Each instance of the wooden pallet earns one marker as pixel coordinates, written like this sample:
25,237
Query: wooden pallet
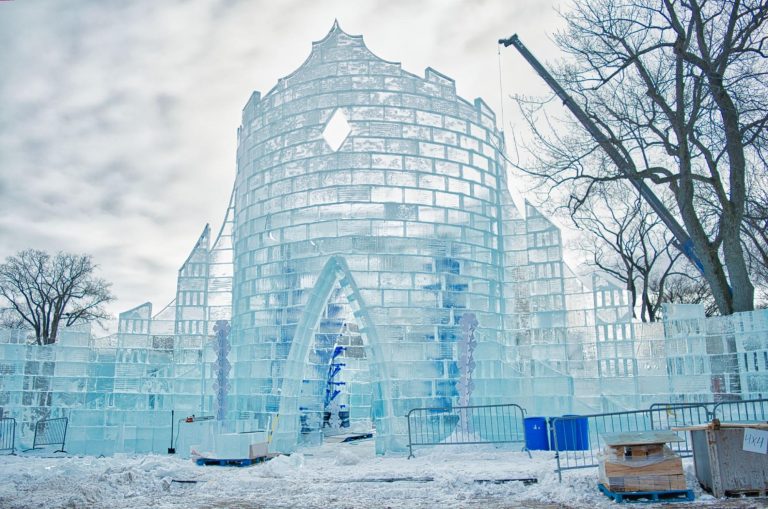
345,438
747,493
527,481
244,462
648,497
355,438
224,462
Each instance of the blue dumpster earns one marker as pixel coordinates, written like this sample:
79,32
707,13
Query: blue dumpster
571,433
536,433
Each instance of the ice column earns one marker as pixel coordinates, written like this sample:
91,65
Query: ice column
221,367
467,346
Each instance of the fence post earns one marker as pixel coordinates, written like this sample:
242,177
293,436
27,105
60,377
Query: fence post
552,432
410,441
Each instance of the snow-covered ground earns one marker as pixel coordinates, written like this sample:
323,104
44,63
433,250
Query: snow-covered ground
331,476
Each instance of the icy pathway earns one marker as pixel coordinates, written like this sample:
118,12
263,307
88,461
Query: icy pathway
332,476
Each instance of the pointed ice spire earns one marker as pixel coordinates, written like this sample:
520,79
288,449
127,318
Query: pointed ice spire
336,46
335,32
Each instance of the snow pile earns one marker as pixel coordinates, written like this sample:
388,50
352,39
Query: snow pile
346,456
330,476
283,466
86,482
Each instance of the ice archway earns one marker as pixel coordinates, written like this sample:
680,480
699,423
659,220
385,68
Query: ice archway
335,272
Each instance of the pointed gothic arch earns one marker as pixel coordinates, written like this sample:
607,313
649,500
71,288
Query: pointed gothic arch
286,433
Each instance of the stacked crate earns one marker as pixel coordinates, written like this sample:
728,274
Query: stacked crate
641,462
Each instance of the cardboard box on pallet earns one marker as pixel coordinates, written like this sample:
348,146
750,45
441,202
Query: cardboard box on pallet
640,451
641,468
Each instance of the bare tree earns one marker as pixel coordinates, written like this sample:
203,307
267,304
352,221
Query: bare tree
43,291
678,86
629,242
611,242
683,288
10,319
755,230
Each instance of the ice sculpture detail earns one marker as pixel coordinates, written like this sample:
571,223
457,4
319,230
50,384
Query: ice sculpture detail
221,367
467,346
333,391
335,274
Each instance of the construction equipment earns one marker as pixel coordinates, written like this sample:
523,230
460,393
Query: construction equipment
683,241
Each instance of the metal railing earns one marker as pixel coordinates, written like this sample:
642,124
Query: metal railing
667,415
674,406
745,410
578,442
50,432
577,439
8,434
463,425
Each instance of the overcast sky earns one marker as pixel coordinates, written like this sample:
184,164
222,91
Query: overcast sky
118,119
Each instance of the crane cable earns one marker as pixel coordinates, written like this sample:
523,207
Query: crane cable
501,90
503,122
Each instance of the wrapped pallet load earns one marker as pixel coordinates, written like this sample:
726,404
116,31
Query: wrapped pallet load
641,462
641,468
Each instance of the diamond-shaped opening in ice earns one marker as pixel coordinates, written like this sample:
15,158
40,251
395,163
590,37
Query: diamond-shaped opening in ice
336,130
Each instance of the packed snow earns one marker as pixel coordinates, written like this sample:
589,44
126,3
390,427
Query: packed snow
330,476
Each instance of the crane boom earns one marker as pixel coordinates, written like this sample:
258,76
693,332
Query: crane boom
683,241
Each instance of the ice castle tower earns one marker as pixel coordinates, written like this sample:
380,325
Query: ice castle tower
367,199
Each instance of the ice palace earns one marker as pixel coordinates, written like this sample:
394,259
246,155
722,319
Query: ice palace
371,260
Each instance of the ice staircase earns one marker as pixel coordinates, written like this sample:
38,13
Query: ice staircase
332,405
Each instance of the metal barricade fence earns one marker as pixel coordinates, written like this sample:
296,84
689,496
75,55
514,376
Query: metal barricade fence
725,411
680,414
8,434
674,406
51,432
577,438
462,425
745,410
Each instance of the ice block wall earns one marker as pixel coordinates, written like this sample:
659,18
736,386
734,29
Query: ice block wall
117,402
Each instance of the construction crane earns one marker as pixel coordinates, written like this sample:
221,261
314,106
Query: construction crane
683,241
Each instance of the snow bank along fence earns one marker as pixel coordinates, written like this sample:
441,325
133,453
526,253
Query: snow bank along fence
577,438
50,432
8,434
462,425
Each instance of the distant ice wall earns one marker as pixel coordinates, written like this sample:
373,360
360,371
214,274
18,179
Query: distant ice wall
116,401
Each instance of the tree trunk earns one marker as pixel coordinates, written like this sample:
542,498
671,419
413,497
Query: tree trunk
53,333
632,289
714,272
